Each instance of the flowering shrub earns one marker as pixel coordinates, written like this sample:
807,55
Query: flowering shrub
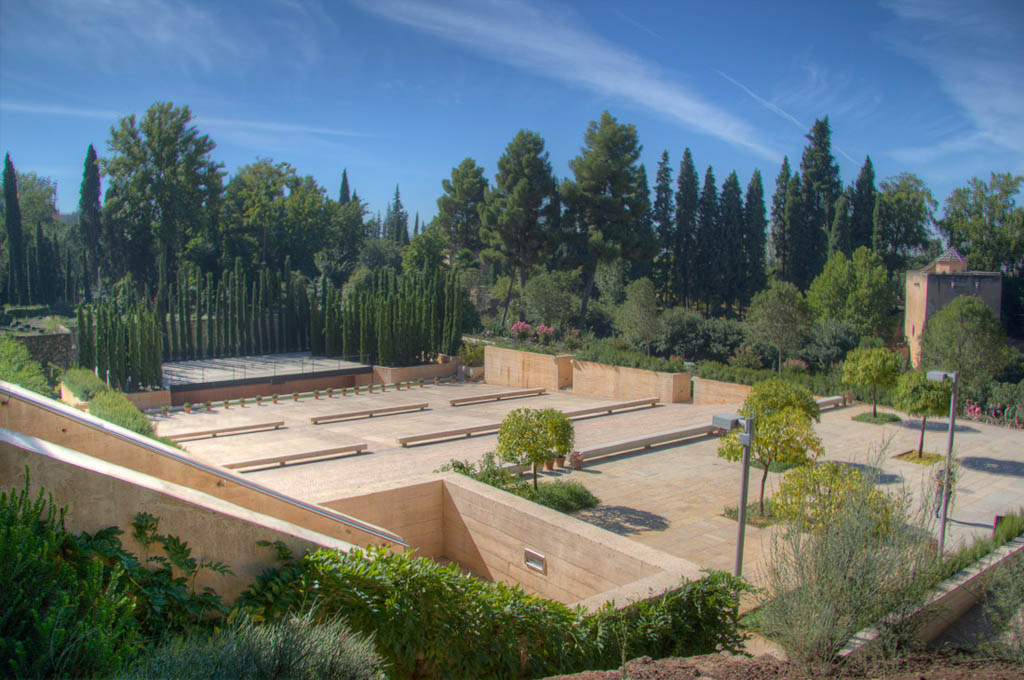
995,414
521,330
545,333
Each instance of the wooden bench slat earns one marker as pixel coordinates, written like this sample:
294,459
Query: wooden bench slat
370,412
357,447
497,396
237,429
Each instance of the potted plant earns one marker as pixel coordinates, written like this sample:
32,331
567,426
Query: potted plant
188,407
437,380
370,388
241,402
421,382
295,396
383,387
549,464
344,391
355,390
316,394
274,397
452,381
227,404
164,409
560,461
208,405
330,393
259,400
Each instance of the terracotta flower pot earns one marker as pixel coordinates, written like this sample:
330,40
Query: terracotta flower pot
560,461
549,465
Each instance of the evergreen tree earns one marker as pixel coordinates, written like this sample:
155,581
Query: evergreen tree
729,236
862,207
781,241
821,189
396,221
664,219
794,266
752,244
89,215
458,209
416,225
343,194
684,245
708,249
840,238
17,283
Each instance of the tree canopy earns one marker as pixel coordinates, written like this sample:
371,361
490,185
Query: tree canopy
965,336
875,368
856,291
919,396
533,436
983,222
779,318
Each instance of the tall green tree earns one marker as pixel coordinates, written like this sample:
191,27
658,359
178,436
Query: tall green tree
821,188
664,219
395,226
965,336
17,273
983,222
875,368
684,243
731,236
840,238
753,240
605,197
458,209
779,318
163,188
862,207
344,195
89,216
795,264
903,219
708,251
637,318
520,217
780,241
857,291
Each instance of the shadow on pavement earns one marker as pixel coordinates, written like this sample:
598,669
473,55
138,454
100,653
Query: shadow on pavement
880,477
993,466
936,426
623,520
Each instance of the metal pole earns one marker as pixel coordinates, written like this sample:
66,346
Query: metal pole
748,431
949,461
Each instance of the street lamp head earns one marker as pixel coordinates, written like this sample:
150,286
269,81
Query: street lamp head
939,376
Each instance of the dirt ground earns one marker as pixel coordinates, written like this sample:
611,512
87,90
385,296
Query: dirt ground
926,666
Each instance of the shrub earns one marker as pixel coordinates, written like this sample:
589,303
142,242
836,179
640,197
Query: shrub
613,353
566,496
114,407
18,367
62,614
435,620
795,365
746,357
297,649
810,496
83,383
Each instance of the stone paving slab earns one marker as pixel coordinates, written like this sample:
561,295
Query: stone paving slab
669,497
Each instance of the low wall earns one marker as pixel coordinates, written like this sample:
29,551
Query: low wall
526,369
618,382
716,392
145,401
53,421
486,531
51,348
387,374
98,494
197,393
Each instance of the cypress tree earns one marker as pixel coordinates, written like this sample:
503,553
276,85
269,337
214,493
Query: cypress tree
708,245
794,266
253,320
343,194
840,238
86,350
781,242
730,236
755,227
862,207
17,285
89,217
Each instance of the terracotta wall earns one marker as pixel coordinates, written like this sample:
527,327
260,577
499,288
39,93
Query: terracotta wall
526,369
618,382
715,392
99,495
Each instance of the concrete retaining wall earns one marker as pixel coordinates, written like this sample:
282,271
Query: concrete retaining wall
51,348
388,375
526,369
716,392
282,385
98,494
618,382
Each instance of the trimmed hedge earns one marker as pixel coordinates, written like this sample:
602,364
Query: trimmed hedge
821,384
115,408
610,353
83,383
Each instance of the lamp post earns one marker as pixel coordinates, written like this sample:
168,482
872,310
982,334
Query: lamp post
728,421
939,376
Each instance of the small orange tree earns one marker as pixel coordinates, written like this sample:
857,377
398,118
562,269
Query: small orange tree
534,436
919,396
872,368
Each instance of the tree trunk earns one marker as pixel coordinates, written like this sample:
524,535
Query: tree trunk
534,476
920,444
874,401
764,478
779,368
508,299
587,290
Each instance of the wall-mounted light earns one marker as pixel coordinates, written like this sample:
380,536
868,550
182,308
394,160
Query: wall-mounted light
535,561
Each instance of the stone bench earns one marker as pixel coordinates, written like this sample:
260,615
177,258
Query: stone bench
237,429
830,402
646,441
357,447
611,408
497,396
368,413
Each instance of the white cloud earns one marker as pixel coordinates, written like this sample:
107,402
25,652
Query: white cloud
547,42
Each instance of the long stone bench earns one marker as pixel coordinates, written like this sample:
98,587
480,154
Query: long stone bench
357,447
830,402
493,427
497,396
368,413
646,441
237,429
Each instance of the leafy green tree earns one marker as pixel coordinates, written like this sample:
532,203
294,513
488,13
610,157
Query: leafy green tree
919,396
862,207
778,317
856,291
819,189
664,219
89,215
534,436
520,215
752,243
783,430
793,267
18,367
606,199
983,222
965,336
550,298
17,274
685,241
874,368
163,189
840,238
458,209
637,318
903,218
425,252
810,497
781,243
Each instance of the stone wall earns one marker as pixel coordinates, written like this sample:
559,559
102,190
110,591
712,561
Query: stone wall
513,368
716,392
389,375
619,382
51,348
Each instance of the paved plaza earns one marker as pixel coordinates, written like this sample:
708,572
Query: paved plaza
669,497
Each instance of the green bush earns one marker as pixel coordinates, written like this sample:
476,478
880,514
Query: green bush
83,383
612,352
472,354
565,496
435,620
18,367
62,613
116,408
821,384
297,649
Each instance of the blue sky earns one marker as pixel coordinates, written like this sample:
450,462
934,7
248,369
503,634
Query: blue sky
400,91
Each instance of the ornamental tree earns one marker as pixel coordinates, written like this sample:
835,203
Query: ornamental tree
811,496
872,368
965,336
919,396
535,436
778,317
